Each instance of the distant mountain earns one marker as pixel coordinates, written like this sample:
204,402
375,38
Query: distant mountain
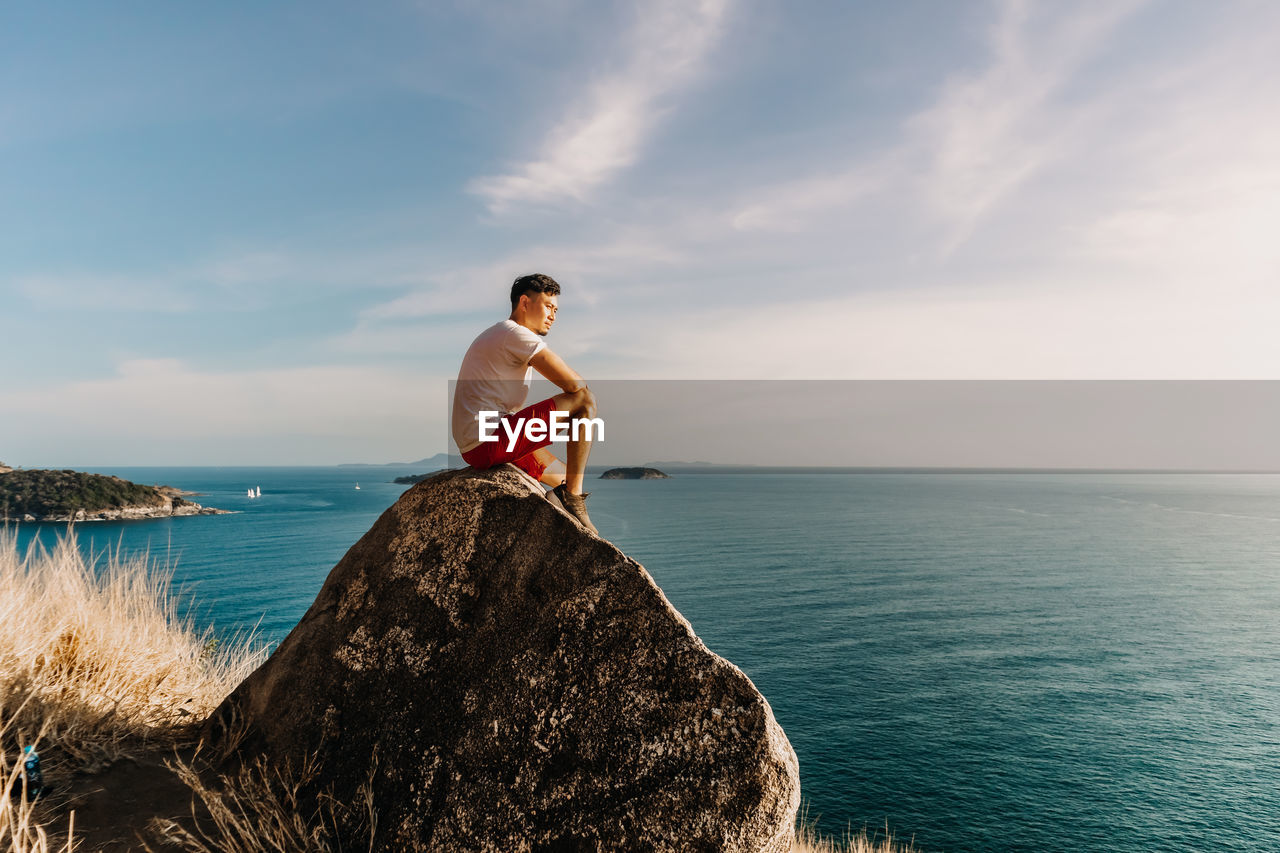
440,460
681,464
411,479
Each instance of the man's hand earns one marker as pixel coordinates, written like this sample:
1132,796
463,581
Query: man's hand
553,368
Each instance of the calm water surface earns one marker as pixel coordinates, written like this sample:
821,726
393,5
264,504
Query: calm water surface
1022,662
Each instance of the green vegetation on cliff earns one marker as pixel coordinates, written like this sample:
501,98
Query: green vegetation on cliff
43,493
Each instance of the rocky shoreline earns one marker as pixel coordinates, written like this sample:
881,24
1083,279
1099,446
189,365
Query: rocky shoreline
177,508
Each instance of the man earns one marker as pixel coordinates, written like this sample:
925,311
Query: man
495,377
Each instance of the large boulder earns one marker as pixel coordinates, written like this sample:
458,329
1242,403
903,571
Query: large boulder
510,682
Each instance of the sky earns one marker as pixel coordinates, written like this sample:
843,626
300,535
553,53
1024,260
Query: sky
246,233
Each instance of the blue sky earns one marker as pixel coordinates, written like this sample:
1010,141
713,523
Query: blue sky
265,233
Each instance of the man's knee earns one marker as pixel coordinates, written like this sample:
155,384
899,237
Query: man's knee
588,404
581,403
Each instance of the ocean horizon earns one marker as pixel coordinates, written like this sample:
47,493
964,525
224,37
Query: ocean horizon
981,660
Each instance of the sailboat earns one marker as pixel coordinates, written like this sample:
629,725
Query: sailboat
357,487
251,494
258,494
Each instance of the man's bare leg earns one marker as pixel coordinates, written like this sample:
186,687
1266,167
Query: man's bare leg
553,473
579,404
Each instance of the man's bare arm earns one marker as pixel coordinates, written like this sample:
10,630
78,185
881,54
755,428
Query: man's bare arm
553,367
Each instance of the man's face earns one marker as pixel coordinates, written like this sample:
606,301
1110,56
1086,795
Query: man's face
541,313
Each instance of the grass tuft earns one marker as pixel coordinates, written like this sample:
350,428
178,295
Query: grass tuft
264,809
807,840
95,655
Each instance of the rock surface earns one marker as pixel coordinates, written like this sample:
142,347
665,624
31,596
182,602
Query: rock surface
634,474
508,682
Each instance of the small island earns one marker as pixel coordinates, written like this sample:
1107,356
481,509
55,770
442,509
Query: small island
634,474
39,495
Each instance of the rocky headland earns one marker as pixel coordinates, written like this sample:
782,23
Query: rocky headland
39,495
634,474
487,676
412,479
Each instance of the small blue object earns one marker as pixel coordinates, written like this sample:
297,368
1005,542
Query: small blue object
35,779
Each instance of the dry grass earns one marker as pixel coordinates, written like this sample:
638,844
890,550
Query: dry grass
95,655
808,841
95,661
265,809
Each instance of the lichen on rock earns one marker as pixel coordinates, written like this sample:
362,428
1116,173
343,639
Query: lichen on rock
509,682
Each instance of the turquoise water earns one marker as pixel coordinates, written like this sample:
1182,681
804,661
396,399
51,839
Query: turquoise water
1015,662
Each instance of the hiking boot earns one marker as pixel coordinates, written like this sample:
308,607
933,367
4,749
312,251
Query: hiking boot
575,505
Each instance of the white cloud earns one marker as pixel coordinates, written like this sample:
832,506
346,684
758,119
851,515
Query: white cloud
984,136
1117,222
789,206
989,132
605,131
1105,329
1192,175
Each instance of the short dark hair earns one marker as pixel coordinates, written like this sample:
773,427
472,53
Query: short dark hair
535,283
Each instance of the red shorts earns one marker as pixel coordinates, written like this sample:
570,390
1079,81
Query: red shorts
489,453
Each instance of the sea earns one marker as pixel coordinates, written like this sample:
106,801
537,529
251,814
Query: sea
976,661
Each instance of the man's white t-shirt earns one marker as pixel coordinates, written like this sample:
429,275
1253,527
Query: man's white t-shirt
494,377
